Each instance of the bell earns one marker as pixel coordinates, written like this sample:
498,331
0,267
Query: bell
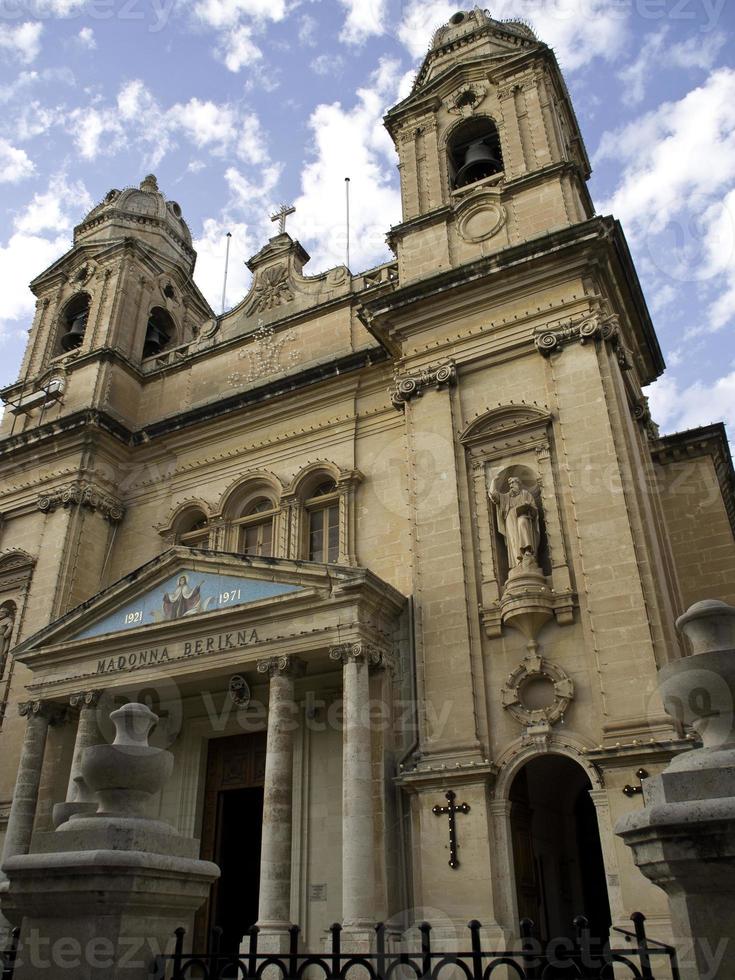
155,339
75,334
479,162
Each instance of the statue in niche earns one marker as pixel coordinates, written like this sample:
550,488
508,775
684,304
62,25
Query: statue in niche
7,622
518,522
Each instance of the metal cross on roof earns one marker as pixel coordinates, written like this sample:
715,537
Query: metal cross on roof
281,214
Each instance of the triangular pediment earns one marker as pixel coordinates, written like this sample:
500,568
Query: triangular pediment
182,585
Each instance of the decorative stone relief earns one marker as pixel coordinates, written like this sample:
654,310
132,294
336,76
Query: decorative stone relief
266,355
480,217
516,692
273,666
273,288
593,327
518,522
82,494
413,385
466,100
357,651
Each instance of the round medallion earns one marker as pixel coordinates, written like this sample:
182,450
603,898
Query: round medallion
537,691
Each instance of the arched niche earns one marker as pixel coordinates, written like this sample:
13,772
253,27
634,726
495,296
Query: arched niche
516,439
473,150
73,322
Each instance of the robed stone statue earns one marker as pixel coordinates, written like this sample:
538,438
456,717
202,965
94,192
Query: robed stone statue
518,522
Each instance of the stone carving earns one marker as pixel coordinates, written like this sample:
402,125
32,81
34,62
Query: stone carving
85,699
7,622
594,327
466,100
273,666
413,385
344,652
82,494
518,522
271,289
480,217
265,354
535,667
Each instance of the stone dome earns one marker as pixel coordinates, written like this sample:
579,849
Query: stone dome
464,22
144,208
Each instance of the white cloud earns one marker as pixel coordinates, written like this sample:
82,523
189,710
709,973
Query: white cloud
211,247
328,64
676,408
252,144
656,54
95,131
22,42
365,18
205,123
237,48
221,14
579,30
676,193
15,164
41,233
308,31
86,38
350,143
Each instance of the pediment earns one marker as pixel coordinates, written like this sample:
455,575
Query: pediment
182,585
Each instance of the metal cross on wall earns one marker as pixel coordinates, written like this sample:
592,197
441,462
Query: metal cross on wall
281,214
451,810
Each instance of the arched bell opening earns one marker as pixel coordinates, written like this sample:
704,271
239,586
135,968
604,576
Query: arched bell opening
474,152
557,854
159,333
74,322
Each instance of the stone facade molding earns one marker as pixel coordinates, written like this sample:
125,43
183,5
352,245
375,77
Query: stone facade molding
413,385
52,711
85,699
82,494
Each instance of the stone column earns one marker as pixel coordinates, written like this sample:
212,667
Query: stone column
358,848
274,903
25,795
88,733
684,837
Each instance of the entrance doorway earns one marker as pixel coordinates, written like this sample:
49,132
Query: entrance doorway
559,869
231,836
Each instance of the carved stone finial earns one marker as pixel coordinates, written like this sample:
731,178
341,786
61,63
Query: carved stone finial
149,184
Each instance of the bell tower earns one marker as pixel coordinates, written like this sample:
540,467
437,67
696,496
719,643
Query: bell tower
110,311
490,153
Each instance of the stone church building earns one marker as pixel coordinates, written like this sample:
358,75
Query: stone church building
375,546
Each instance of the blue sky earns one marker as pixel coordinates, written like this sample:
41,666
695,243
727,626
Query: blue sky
237,105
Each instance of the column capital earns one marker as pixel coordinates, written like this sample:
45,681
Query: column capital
51,711
279,666
356,652
85,699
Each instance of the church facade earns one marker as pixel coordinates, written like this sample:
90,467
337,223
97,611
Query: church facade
395,556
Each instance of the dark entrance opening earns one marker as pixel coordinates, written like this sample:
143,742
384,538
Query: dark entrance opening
559,868
238,855
231,837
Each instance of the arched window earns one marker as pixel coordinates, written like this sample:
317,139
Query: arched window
322,524
74,322
255,528
159,333
474,152
192,529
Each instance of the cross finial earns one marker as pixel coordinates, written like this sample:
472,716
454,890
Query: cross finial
281,214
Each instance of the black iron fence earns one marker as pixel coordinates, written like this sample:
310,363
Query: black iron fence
576,957
8,957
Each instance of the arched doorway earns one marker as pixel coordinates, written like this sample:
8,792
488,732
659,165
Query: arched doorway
559,870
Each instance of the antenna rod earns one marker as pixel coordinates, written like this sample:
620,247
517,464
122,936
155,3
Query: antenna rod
227,263
347,195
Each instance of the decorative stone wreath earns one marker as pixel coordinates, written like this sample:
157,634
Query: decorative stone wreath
530,668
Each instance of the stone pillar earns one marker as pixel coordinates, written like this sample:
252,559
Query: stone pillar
88,733
274,903
25,795
358,846
684,837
